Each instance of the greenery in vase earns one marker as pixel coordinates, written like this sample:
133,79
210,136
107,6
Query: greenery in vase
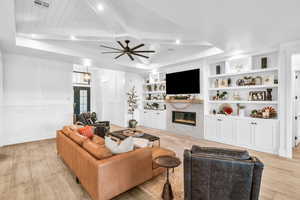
132,101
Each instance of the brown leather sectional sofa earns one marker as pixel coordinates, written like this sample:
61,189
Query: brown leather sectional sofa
106,178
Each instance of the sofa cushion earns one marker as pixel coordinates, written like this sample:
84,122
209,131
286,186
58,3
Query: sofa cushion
76,137
96,150
98,140
229,153
67,130
125,145
159,151
87,131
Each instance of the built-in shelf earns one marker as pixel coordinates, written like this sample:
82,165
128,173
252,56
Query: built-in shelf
245,72
193,101
155,101
238,117
158,83
242,102
155,92
245,87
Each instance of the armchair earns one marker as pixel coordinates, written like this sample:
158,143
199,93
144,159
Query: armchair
221,174
101,127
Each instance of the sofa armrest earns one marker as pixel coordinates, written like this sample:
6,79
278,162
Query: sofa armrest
187,174
123,172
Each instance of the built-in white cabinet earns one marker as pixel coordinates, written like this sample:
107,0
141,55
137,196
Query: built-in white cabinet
256,134
155,119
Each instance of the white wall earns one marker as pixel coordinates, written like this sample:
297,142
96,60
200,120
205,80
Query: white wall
108,95
1,99
38,97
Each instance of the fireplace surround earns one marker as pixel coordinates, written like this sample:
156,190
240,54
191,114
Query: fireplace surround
186,118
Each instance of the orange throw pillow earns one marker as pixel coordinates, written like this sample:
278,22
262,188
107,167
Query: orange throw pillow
97,150
87,131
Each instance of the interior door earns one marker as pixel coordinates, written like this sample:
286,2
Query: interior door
82,100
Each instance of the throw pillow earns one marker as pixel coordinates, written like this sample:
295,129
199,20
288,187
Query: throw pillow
97,150
79,139
125,145
87,131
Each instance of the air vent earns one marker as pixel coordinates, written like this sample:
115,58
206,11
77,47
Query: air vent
41,3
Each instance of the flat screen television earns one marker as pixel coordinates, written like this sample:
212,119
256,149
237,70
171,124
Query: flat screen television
186,82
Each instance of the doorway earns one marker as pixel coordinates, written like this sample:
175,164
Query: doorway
296,107
82,100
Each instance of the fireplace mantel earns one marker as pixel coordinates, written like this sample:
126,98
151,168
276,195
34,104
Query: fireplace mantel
193,101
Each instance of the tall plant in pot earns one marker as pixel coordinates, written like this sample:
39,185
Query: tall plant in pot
132,106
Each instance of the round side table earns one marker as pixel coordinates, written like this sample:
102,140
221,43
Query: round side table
167,162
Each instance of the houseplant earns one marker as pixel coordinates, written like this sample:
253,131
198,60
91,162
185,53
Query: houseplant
132,106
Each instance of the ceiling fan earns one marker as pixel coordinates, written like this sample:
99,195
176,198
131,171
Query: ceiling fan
127,50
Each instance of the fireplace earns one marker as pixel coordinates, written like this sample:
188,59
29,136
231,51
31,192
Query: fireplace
187,118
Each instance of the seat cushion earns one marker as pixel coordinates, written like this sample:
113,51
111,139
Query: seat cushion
79,139
98,140
229,153
97,150
159,151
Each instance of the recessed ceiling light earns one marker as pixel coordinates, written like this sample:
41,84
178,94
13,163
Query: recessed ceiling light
72,37
100,7
33,36
177,41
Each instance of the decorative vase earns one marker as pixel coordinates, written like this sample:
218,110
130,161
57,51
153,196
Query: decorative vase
132,123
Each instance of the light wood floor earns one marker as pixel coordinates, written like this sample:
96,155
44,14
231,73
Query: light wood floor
32,171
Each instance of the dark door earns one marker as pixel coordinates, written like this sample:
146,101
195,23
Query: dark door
82,100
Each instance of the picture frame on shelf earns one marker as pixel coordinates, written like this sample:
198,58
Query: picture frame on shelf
268,80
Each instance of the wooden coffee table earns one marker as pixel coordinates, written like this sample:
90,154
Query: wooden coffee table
167,162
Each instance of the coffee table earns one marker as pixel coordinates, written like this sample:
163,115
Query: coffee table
167,162
119,135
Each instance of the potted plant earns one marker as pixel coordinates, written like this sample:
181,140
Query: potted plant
132,106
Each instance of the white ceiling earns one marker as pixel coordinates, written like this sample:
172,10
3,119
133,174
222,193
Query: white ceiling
204,27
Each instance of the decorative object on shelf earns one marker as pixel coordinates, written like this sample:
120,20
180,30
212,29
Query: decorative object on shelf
229,82
241,110
216,83
264,62
155,87
236,96
239,68
149,88
218,69
269,94
268,80
240,82
257,96
275,81
132,106
266,113
249,80
226,109
214,111
258,80
223,83
222,96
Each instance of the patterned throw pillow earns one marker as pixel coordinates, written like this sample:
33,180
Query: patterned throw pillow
87,131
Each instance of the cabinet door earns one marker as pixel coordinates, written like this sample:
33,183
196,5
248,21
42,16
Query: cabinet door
227,130
146,118
265,135
244,133
210,128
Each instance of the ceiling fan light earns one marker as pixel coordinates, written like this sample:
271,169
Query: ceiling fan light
177,41
100,7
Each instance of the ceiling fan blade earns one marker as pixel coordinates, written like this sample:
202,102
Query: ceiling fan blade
120,43
119,55
112,52
138,46
111,48
139,55
130,56
146,51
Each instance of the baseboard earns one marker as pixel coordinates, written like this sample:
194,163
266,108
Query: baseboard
25,140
